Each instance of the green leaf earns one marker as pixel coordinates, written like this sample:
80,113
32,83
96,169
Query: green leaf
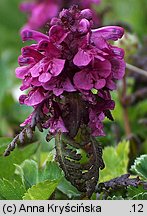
11,190
31,174
7,166
50,172
67,188
131,12
141,196
134,191
140,166
53,172
41,191
28,171
12,20
116,161
115,198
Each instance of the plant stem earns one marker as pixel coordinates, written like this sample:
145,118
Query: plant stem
136,69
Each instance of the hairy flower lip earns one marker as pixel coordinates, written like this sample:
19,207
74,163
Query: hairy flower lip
25,60
118,52
28,34
108,33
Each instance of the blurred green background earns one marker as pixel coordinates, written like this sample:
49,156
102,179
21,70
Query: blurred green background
11,20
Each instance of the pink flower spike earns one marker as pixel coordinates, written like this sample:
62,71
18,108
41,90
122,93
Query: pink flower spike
60,70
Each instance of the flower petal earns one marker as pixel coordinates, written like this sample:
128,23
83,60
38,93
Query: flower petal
25,60
82,58
22,71
44,77
34,98
27,6
83,80
103,68
22,99
35,82
57,66
67,86
29,51
57,125
108,33
117,52
118,68
57,34
36,69
42,13
84,26
28,34
50,49
57,91
111,84
100,84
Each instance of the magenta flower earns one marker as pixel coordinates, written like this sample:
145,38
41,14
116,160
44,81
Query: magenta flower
34,97
97,115
39,67
66,65
59,87
40,12
55,125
